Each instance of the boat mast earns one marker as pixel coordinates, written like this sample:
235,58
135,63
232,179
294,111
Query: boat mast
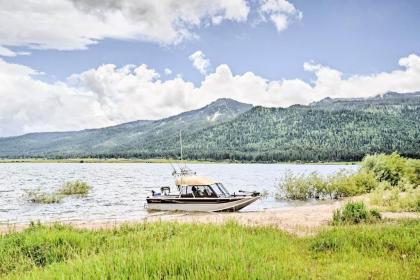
180,141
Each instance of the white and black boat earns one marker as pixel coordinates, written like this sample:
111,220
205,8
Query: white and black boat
200,194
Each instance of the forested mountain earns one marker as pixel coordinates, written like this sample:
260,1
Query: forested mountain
128,136
331,129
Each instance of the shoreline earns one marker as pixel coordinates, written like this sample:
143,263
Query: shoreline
298,220
121,160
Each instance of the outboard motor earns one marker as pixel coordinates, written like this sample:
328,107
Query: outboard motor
155,193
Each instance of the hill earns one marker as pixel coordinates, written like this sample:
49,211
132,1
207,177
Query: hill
331,129
119,138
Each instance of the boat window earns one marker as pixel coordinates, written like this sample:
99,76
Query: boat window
188,191
223,188
204,191
218,190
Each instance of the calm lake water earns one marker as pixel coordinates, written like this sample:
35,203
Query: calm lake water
119,190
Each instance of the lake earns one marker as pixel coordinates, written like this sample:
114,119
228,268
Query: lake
119,189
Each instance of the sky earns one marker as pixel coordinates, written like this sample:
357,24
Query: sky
76,64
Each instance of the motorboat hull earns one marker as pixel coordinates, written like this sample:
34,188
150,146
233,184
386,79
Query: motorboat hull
200,205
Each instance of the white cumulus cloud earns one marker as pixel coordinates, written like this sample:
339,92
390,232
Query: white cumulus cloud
109,95
200,62
280,12
75,24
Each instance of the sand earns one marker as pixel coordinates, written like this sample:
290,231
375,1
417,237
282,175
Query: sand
299,220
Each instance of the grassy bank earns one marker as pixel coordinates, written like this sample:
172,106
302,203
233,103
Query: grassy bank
173,251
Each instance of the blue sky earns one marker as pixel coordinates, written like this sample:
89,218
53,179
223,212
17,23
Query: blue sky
357,37
75,64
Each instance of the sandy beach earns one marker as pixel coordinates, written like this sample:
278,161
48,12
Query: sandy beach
299,220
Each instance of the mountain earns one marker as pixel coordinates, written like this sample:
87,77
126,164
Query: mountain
330,129
389,98
127,137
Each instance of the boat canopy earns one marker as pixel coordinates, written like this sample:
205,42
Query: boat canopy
194,181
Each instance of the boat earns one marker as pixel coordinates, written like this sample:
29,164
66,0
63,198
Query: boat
199,194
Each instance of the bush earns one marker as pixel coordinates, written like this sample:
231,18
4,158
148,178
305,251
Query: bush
355,213
345,185
45,198
296,187
391,168
394,200
69,188
74,187
341,184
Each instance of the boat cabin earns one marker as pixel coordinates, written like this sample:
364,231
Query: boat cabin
200,187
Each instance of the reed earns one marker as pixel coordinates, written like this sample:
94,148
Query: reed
230,251
74,188
69,188
37,196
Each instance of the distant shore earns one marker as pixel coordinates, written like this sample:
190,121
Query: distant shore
161,160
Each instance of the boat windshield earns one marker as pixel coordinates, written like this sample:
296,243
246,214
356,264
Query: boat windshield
219,189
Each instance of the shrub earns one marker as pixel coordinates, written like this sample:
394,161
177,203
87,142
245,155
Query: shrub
341,184
294,186
37,196
74,187
355,213
344,184
391,168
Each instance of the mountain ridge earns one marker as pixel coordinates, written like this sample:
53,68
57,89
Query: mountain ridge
228,129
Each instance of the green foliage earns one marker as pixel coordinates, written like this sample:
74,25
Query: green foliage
394,200
341,184
69,188
37,196
74,187
182,251
355,213
392,168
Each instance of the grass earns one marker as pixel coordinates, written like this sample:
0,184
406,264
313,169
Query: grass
37,196
74,188
69,188
231,251
394,200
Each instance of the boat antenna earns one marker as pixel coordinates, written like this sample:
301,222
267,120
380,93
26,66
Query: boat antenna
180,140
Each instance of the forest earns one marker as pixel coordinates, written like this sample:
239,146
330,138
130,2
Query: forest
328,130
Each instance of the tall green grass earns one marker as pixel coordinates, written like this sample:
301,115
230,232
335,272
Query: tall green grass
181,251
69,188
392,199
74,188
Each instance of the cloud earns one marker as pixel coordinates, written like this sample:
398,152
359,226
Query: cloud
76,24
200,62
167,71
109,95
8,52
280,12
